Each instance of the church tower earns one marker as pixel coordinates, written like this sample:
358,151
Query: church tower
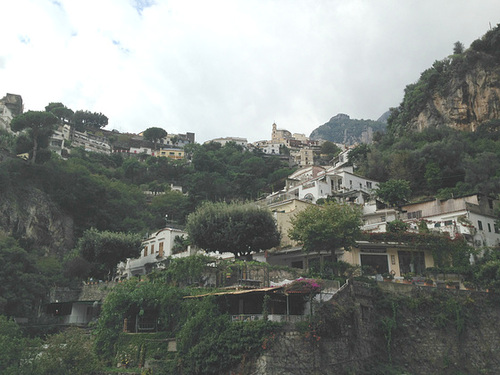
274,133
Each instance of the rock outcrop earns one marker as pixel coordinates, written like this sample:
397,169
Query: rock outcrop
469,101
32,217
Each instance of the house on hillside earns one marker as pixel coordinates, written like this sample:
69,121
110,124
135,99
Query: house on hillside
248,304
472,216
155,249
314,182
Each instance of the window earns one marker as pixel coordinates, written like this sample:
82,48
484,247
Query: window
415,214
152,249
480,224
489,227
448,222
145,250
298,264
368,185
160,249
495,226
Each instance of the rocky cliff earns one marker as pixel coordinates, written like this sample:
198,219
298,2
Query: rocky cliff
402,330
461,91
30,216
468,102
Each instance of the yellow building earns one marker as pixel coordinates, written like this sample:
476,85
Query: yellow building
172,153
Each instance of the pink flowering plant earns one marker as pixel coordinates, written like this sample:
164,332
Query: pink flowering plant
303,285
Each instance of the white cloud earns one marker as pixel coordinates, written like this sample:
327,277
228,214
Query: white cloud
228,68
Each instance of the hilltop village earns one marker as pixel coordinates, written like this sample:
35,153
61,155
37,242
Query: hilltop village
400,243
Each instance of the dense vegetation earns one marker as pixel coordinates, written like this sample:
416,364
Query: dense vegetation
439,162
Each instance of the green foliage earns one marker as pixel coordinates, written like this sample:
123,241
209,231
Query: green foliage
184,271
394,192
232,227
209,343
22,287
106,249
131,299
328,227
13,347
86,120
39,126
64,114
230,172
68,352
397,226
154,134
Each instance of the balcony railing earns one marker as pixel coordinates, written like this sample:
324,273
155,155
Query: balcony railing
270,317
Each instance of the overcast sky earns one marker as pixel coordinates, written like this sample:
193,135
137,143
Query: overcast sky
228,68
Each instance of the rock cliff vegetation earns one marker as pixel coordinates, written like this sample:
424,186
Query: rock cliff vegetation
461,91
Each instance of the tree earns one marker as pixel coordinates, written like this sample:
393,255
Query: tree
40,126
68,352
63,113
154,134
12,346
232,227
21,286
331,226
458,48
87,119
394,192
106,249
330,148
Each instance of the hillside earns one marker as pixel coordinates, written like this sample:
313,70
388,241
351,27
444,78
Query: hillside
342,129
461,91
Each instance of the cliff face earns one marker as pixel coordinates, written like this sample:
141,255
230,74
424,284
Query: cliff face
468,102
424,331
32,217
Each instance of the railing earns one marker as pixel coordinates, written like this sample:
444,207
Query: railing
270,317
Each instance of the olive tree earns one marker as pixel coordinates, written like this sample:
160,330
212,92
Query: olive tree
330,226
232,227
106,249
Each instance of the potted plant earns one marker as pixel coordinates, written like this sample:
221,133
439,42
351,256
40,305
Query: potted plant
469,285
429,282
451,285
408,277
388,276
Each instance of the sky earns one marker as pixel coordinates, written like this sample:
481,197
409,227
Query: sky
228,68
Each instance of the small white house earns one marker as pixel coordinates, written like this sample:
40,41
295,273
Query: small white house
155,248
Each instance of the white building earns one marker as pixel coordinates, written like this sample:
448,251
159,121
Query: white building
223,141
155,249
314,182
471,216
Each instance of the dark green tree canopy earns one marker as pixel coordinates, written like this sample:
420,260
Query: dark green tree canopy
21,285
106,249
63,113
327,227
154,134
394,192
232,227
87,119
39,126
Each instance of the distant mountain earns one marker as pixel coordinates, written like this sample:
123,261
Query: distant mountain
342,129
